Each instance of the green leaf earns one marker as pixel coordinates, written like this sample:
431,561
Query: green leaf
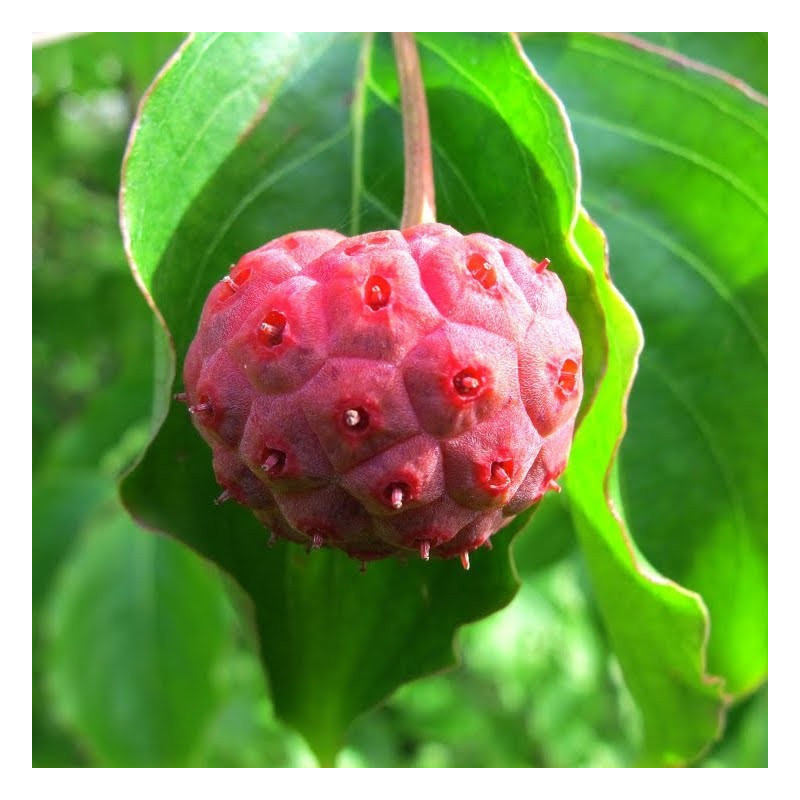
137,625
746,739
311,137
549,535
658,630
685,213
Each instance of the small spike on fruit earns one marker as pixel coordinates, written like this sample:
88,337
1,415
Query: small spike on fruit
356,419
200,408
542,265
465,560
274,462
316,541
272,539
553,486
397,497
272,327
231,283
224,497
488,544
181,397
363,567
499,477
467,383
398,494
425,550
270,330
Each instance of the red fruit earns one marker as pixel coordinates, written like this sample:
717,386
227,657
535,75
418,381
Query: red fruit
388,393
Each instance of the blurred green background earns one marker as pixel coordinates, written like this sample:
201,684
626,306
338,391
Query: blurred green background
174,678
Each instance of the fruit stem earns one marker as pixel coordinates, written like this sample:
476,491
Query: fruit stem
419,202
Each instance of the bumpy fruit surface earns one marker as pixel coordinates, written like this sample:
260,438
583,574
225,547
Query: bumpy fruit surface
391,392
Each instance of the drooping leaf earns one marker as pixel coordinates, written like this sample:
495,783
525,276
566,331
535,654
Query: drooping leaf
305,141
62,506
674,166
136,629
658,629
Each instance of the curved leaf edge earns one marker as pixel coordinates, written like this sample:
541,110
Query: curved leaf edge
159,410
638,561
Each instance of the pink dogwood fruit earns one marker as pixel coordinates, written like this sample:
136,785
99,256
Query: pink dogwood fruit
391,392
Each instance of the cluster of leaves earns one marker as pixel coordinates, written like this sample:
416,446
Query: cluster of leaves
143,655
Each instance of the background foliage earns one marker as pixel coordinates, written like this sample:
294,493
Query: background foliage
164,670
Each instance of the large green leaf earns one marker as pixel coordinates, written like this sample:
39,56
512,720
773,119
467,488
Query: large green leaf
137,625
226,156
674,164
